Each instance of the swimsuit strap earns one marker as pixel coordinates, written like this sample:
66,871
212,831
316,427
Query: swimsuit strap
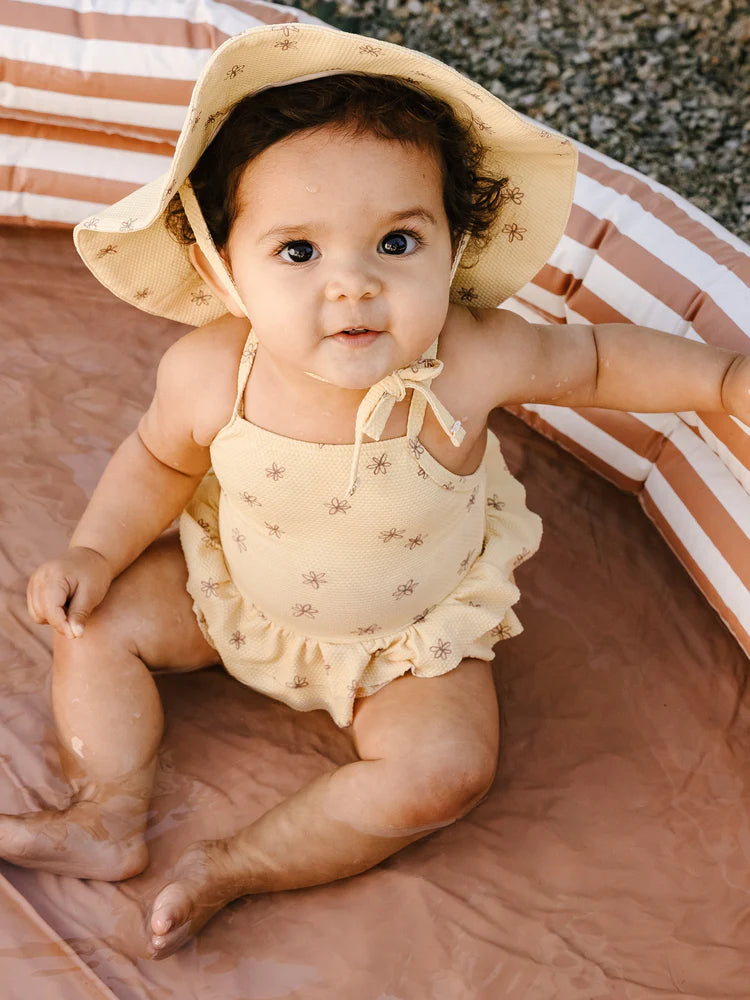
243,374
418,405
378,404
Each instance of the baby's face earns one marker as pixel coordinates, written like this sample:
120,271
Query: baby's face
337,234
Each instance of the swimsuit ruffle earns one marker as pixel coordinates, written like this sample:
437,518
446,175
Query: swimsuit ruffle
309,673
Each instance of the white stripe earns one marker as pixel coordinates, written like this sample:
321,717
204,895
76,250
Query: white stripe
100,109
571,316
101,55
690,210
578,256
744,428
740,471
181,10
195,11
594,439
83,161
543,299
728,290
665,424
632,300
608,284
648,310
710,560
225,18
523,310
46,209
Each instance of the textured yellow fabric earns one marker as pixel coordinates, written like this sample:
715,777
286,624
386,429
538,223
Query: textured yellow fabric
128,248
315,596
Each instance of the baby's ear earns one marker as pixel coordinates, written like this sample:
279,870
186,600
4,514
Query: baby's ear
204,268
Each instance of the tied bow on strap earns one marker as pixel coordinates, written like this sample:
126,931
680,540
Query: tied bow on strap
378,404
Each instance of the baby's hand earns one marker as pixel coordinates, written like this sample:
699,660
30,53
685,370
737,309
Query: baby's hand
735,393
63,592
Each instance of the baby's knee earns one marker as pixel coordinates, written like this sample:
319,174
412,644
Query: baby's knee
436,791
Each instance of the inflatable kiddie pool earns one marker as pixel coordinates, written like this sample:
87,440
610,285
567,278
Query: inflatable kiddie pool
611,858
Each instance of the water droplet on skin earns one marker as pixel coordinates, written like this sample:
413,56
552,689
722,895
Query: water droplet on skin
312,188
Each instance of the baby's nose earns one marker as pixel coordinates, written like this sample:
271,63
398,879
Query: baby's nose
352,281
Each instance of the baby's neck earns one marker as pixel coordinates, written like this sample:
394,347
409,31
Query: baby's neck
294,399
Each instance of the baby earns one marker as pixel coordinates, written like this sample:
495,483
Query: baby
348,214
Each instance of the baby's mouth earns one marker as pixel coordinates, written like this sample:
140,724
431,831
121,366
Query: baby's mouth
356,335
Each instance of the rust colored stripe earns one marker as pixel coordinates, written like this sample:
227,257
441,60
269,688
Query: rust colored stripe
577,296
94,25
63,186
712,324
697,432
587,303
25,220
58,133
114,86
708,511
549,317
624,427
583,454
727,431
109,129
262,13
651,274
655,276
703,583
666,211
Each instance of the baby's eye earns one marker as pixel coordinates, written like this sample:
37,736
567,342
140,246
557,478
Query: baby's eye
298,252
398,243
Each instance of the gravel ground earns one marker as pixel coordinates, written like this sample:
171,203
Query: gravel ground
661,85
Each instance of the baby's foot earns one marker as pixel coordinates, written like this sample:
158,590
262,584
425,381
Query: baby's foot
73,841
203,881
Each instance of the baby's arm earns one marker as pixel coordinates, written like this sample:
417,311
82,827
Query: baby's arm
144,487
617,366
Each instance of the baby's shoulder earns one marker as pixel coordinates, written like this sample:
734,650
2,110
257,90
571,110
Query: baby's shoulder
200,370
470,331
215,346
473,338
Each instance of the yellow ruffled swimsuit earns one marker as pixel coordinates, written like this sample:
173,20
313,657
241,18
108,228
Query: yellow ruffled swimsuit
321,572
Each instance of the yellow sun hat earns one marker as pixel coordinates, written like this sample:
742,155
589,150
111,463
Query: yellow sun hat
129,249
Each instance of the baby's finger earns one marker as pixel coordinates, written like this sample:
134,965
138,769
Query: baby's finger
60,623
49,602
54,616
35,602
31,604
82,603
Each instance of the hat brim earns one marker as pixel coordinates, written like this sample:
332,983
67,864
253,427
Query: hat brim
128,248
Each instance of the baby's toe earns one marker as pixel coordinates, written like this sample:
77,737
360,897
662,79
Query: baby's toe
164,945
170,910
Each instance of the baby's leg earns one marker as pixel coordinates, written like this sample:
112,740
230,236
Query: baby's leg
428,753
109,722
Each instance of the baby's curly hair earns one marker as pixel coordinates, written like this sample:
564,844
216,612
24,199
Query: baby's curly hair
359,104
